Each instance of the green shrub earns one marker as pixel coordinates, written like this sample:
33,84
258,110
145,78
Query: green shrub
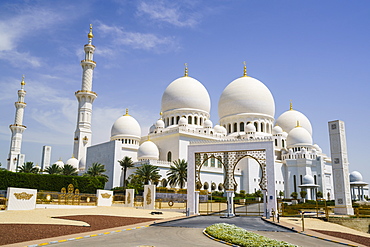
239,236
49,182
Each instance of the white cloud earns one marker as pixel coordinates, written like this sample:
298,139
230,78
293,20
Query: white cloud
169,12
136,40
19,27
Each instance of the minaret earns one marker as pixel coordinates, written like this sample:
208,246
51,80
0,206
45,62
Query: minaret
85,98
15,157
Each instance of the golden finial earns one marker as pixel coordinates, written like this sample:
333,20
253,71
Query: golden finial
297,124
186,70
148,138
22,82
291,105
160,114
245,69
73,156
90,34
126,112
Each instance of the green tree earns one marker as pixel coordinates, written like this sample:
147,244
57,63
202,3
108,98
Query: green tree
135,182
319,194
53,169
148,173
294,195
96,170
69,170
303,194
258,193
28,167
281,194
125,163
177,175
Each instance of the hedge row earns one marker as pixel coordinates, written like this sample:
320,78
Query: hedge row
48,182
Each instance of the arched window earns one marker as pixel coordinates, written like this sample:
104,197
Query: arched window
262,127
195,120
276,142
267,128
213,161
172,120
235,127
229,128
200,121
241,126
190,120
300,178
314,177
283,143
177,119
205,157
169,156
219,164
256,126
295,183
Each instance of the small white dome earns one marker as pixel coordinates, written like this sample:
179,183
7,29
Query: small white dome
125,126
277,130
246,95
250,128
317,147
288,120
73,162
284,134
60,163
159,124
186,92
217,128
308,179
183,122
299,136
152,129
208,124
148,150
355,176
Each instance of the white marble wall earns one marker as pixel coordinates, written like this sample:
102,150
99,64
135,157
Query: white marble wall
105,197
21,199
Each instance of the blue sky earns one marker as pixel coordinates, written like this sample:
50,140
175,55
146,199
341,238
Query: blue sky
315,53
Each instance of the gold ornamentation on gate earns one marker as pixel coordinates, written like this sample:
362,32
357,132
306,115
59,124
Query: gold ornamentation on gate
149,197
128,198
23,196
105,195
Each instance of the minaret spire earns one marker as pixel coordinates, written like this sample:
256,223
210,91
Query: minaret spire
85,98
15,157
186,70
291,105
245,69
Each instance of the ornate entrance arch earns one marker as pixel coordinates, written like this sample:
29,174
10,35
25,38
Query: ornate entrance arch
229,153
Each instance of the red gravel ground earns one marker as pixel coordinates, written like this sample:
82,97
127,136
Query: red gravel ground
16,233
354,238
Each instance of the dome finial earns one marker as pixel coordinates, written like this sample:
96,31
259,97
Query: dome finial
90,35
186,70
126,112
22,82
245,69
291,105
160,114
297,124
148,138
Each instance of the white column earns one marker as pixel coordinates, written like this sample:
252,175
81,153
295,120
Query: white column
230,203
17,130
85,98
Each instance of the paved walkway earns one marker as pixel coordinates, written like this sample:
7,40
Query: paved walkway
179,233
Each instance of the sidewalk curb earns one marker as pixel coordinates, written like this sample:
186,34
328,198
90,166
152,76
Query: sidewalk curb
309,235
218,240
87,236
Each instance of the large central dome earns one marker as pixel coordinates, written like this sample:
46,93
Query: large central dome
184,93
246,95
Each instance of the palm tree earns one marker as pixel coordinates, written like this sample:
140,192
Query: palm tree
28,168
177,175
125,163
69,170
148,173
96,170
53,169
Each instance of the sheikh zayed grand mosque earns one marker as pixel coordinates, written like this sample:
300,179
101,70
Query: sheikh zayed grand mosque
246,110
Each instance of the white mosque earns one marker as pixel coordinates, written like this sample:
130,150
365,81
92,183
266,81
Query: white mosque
246,110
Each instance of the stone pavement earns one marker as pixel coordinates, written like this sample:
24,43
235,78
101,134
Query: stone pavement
311,224
44,216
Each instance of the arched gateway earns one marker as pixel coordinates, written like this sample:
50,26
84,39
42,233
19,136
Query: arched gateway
229,153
